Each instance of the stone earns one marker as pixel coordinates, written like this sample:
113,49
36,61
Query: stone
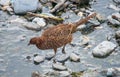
74,57
4,2
104,49
117,34
111,6
39,59
24,6
94,22
40,21
58,66
113,21
32,26
64,74
49,55
62,58
100,17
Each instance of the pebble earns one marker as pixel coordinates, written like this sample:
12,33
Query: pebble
35,74
4,2
39,59
62,58
100,17
117,34
104,49
74,57
64,73
32,26
58,66
49,55
113,21
111,6
24,6
94,22
40,21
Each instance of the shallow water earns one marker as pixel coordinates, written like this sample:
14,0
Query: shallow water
13,50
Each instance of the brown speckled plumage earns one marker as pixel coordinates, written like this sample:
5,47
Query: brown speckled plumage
57,36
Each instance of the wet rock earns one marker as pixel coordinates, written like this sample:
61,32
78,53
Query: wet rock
32,26
49,55
40,21
62,58
59,67
74,57
4,2
64,74
39,59
103,49
24,6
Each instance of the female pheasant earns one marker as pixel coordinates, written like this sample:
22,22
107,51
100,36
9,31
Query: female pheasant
58,36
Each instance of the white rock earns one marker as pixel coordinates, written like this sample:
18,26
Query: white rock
103,49
4,2
64,73
58,66
39,59
40,21
74,57
111,6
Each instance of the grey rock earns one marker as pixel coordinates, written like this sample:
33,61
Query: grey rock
113,21
117,34
94,22
24,6
32,26
74,57
100,17
58,66
62,58
4,2
103,49
111,6
64,73
117,15
39,59
40,21
49,55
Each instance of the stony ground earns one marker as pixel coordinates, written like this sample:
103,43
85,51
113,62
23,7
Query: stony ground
94,51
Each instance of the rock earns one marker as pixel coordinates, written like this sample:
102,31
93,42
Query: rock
84,40
32,26
110,72
24,6
117,34
116,16
111,6
117,1
4,2
74,57
62,58
64,74
81,1
100,17
39,59
113,21
103,49
81,27
40,21
36,74
59,67
49,55
94,22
